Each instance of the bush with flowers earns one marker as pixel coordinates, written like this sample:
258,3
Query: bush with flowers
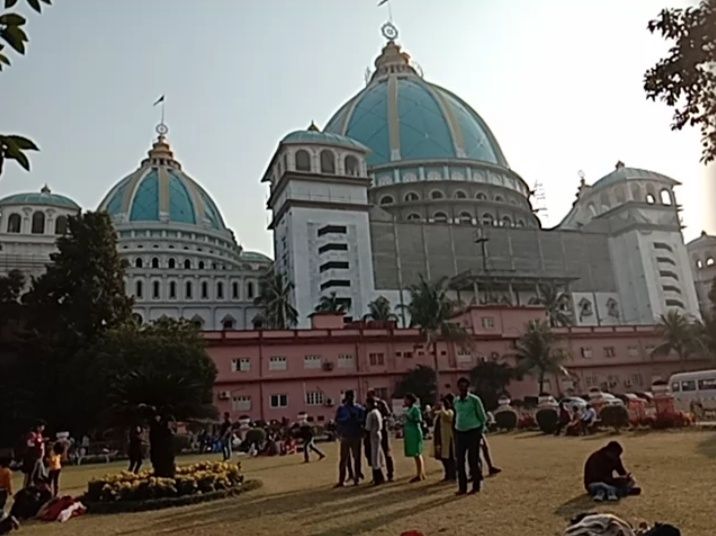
143,491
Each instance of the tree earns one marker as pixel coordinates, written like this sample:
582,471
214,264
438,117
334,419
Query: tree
12,146
686,80
679,334
431,310
82,293
11,287
490,380
275,298
557,305
535,354
331,304
379,310
422,382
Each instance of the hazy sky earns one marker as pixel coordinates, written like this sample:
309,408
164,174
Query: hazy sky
558,81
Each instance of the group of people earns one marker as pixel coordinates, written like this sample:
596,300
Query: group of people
459,437
576,422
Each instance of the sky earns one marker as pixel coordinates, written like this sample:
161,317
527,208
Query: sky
559,82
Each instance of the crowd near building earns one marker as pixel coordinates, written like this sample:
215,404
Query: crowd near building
406,179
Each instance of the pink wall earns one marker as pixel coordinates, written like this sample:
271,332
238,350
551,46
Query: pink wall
360,359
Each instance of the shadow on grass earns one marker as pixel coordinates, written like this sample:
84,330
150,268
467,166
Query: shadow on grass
707,447
577,505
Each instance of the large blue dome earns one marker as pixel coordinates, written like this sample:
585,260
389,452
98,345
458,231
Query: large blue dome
401,117
159,191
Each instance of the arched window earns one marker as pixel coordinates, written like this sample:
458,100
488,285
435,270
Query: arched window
155,262
710,261
204,290
520,223
187,264
499,199
665,197
137,319
250,290
197,321
650,199
228,322
465,217
487,219
460,195
440,217
138,289
220,290
235,290
38,222
172,290
592,209
188,290
411,196
328,162
138,262
14,223
699,264
413,216
303,161
61,225
387,200
172,263
436,194
352,166
201,265
155,290
506,221
480,195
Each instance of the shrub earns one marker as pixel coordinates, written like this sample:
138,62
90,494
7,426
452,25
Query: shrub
202,477
506,419
547,420
616,417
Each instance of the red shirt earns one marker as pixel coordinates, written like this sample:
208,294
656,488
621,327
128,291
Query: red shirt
36,445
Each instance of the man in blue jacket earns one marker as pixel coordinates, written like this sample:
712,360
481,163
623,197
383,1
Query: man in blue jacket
350,418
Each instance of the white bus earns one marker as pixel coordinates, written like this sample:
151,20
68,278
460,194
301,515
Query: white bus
695,392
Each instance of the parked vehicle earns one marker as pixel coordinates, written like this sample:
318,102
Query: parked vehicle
695,392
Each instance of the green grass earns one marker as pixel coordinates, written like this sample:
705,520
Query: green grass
539,489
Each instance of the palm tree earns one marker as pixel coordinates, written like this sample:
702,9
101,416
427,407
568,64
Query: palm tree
680,335
331,304
556,303
275,298
380,311
431,310
535,354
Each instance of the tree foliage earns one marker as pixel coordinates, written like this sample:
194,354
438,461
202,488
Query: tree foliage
680,335
380,310
331,304
422,382
557,305
536,355
686,78
13,146
490,380
275,299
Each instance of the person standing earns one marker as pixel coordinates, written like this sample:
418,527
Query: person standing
374,428
443,436
33,465
306,433
413,436
226,433
135,450
470,419
55,467
386,415
5,483
349,427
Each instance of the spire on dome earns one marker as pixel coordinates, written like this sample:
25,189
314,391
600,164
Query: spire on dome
392,60
161,153
313,128
45,190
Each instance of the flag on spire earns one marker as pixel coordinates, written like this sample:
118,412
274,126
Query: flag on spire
159,100
382,2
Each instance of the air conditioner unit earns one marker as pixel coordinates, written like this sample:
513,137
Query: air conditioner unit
328,402
224,395
327,365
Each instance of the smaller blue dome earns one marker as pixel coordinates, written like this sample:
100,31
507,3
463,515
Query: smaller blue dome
45,198
159,191
313,136
623,173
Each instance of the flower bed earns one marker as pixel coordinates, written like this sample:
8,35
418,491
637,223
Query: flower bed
127,492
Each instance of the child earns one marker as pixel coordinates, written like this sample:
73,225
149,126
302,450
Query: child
5,483
55,466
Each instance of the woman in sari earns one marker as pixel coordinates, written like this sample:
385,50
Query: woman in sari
443,440
413,436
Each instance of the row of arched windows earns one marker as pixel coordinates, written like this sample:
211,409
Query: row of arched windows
228,322
14,223
327,162
172,264
437,194
202,290
707,264
467,218
650,199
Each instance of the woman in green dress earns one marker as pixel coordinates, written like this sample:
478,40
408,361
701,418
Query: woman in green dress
413,435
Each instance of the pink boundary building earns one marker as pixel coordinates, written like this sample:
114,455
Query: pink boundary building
275,374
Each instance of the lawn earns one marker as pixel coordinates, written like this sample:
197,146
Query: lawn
539,489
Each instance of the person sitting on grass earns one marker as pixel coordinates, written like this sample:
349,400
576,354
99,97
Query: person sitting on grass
599,479
588,420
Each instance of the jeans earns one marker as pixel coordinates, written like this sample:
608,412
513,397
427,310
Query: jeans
226,449
135,464
596,488
385,445
448,468
350,448
467,445
311,445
